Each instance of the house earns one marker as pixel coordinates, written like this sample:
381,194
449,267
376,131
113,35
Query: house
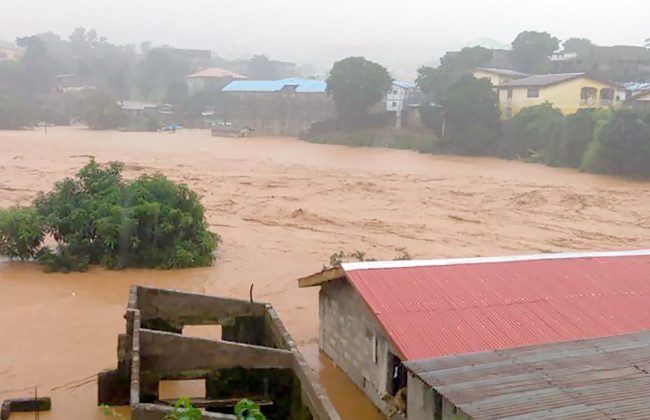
498,76
9,54
375,316
400,96
595,379
213,79
136,108
641,100
621,62
569,92
277,107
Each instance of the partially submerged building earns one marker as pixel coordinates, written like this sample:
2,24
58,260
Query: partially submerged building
376,316
596,379
255,359
278,107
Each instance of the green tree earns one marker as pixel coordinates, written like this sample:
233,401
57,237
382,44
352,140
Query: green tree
577,131
532,134
357,84
39,67
101,112
261,68
577,45
98,218
16,113
621,146
531,51
434,82
471,117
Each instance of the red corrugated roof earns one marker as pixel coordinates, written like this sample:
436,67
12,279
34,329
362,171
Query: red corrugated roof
454,308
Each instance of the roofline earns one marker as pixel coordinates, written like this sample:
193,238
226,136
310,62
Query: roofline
576,76
489,260
639,94
503,72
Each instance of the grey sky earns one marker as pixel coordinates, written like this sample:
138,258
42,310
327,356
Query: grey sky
415,31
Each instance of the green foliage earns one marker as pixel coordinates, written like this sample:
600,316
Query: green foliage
471,114
621,146
532,133
356,84
184,410
435,82
577,45
531,51
576,132
261,68
21,232
97,218
16,113
101,112
248,410
144,122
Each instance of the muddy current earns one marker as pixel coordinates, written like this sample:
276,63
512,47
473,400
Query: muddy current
282,207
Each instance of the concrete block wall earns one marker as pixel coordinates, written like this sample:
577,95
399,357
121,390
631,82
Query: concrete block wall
349,334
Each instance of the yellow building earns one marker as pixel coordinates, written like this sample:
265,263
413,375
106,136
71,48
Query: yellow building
569,92
498,76
7,54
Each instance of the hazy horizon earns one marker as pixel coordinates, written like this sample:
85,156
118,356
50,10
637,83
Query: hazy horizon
398,35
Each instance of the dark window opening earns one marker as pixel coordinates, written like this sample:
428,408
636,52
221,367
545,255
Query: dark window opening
397,374
533,93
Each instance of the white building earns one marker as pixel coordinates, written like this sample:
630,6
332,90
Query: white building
400,95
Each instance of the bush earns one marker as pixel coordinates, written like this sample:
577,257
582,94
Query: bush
621,146
97,218
576,132
16,113
531,134
21,232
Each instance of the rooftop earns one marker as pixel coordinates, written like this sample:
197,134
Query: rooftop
488,43
136,106
543,80
503,72
302,85
405,85
438,308
216,73
597,379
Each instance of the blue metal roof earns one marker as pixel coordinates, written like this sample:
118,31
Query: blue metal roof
405,85
302,85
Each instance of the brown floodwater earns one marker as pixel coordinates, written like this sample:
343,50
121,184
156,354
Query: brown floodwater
282,206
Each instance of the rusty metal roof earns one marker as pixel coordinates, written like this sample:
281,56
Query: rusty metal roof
596,379
446,307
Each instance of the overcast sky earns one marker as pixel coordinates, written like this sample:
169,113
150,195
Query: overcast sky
295,29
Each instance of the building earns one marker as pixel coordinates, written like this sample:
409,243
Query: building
641,100
569,92
135,108
213,79
9,54
374,316
400,96
596,379
498,76
245,353
622,63
277,107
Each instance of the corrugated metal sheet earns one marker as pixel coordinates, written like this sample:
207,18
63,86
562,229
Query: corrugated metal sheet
405,85
443,310
302,85
596,379
542,80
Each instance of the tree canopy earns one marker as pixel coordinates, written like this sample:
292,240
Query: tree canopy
356,84
99,218
577,45
531,51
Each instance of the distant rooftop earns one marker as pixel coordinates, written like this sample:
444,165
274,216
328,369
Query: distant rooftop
302,85
216,73
488,43
136,105
503,72
405,85
542,80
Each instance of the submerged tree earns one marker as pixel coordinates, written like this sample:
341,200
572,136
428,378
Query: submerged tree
357,84
98,218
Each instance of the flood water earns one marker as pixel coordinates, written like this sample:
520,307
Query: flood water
282,207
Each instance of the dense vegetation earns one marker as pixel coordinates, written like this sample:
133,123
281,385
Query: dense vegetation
99,218
33,89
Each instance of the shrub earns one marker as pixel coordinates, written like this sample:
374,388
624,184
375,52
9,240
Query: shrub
531,134
97,218
575,134
621,146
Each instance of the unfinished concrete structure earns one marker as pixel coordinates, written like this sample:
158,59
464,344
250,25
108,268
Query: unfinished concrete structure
256,358
375,317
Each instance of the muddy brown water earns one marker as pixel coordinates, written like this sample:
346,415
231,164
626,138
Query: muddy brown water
282,206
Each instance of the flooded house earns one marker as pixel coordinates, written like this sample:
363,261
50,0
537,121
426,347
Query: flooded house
387,324
277,107
248,355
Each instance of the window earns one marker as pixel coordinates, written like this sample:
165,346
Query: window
394,104
533,93
509,93
375,349
394,92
